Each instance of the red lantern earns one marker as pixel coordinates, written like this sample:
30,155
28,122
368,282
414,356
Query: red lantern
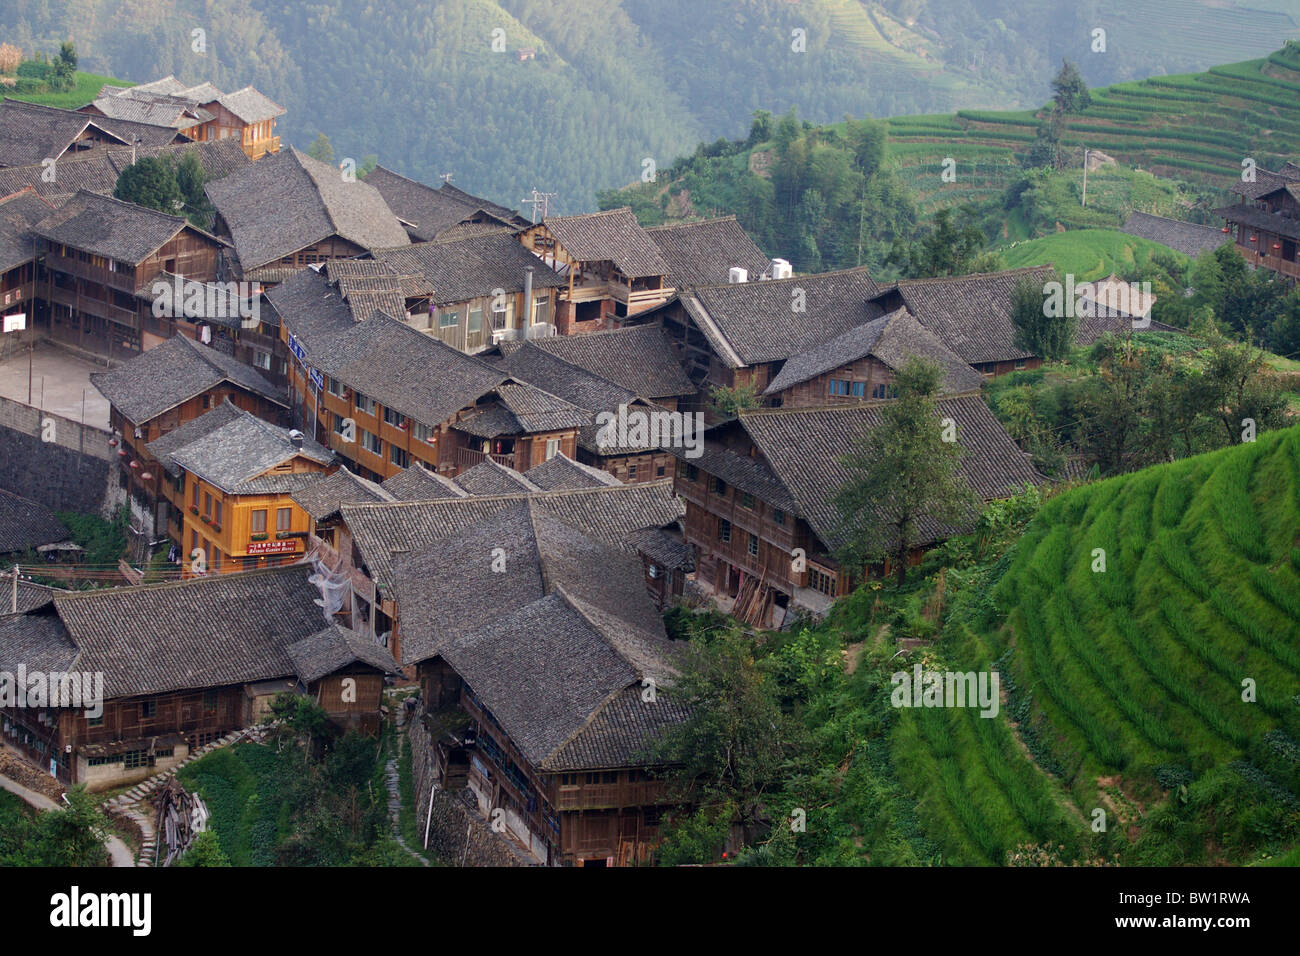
1254,238
112,443
1226,229
1277,245
135,464
121,452
146,475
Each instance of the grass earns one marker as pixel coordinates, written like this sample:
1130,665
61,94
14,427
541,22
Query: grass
84,90
1087,253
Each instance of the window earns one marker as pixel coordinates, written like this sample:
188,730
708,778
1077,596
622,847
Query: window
210,701
396,419
283,519
884,391
819,581
689,472
334,387
839,386
747,501
753,544
859,389
724,530
262,359
631,472
95,721
778,516
364,403
1020,363
216,518
371,443
148,708
421,432
476,319
194,493
207,504
134,759
542,309
258,524
448,320
659,472
398,456
718,487
552,448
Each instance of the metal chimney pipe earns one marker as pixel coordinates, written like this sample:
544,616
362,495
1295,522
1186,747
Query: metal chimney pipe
528,296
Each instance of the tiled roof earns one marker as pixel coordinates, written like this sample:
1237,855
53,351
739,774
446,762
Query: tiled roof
325,494
26,524
1186,237
561,472
469,268
750,323
417,483
969,314
236,456
489,477
704,252
622,733
333,648
18,213
168,374
804,448
522,409
614,236
553,374
112,228
313,309
250,105
287,201
30,596
469,199
664,547
639,358
741,471
30,133
1267,181
431,212
609,514
1255,218
153,108
893,339
212,631
161,448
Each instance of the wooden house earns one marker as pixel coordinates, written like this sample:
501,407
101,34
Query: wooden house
760,514
102,259
558,725
1266,223
160,390
611,267
229,476
27,525
442,213
19,212
289,211
32,134
219,649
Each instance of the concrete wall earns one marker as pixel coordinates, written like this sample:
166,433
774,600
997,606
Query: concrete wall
457,835
56,461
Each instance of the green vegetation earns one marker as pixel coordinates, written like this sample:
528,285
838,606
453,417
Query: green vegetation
73,835
170,184
1090,254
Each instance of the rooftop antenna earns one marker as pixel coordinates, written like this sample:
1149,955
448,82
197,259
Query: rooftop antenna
445,177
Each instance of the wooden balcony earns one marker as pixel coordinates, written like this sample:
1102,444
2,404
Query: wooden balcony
92,306
467,458
598,796
1284,266
123,279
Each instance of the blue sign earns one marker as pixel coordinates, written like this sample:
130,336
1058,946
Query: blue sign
317,379
296,347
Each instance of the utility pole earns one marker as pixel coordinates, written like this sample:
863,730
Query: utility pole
539,199
1086,151
446,178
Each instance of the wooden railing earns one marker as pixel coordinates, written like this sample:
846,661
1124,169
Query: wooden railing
1278,264
591,796
468,458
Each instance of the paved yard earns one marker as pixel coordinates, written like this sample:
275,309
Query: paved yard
59,383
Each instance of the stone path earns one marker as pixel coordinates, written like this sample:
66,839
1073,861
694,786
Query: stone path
395,793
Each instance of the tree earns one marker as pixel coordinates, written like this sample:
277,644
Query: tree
728,402
1048,336
902,471
947,250
190,180
1069,92
1240,390
151,181
204,851
75,835
321,149
65,67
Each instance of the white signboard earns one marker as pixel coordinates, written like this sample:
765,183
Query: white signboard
16,322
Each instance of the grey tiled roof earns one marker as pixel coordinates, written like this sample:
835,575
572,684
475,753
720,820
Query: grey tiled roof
553,374
212,631
30,596
1256,218
639,358
161,448
168,374
432,212
664,547
153,108
26,524
561,472
613,235
489,477
703,252
334,648
110,227
522,409
324,495
750,323
969,314
1186,237
608,514
1266,181
313,309
18,213
287,201
30,133
250,105
465,268
622,733
893,339
804,448
236,455
751,475
417,483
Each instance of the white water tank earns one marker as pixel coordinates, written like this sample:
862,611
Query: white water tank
737,274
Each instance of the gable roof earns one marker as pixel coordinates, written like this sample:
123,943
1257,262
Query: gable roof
893,339
417,483
971,314
19,212
250,105
469,199
749,323
236,455
333,648
286,201
27,524
325,494
561,472
30,132
548,371
1266,181
177,370
489,477
639,358
470,267
703,252
236,629
803,448
149,106
613,235
610,514
112,228
522,409
1188,238
431,212
162,447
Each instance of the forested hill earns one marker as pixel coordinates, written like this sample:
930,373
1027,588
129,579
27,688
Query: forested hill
613,82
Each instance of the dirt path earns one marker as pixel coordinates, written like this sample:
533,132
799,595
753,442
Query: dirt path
119,853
